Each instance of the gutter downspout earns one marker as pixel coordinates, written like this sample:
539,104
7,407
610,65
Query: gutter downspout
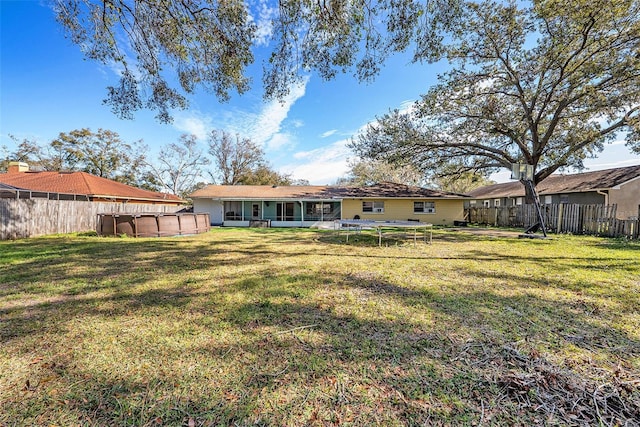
606,196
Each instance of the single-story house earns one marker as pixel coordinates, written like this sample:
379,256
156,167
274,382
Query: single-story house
19,182
619,186
309,206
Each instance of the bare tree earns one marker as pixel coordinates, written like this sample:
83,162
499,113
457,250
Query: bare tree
179,166
234,156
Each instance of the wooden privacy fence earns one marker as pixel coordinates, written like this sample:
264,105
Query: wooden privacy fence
21,218
599,220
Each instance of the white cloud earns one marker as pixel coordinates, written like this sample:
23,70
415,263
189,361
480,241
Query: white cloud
193,123
265,126
263,21
280,141
407,105
328,133
297,123
322,165
596,164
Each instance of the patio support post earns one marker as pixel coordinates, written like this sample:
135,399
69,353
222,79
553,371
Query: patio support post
301,211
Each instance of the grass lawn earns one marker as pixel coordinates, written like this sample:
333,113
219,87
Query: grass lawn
296,327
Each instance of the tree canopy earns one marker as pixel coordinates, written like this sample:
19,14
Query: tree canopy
178,168
546,84
363,172
204,43
166,49
102,153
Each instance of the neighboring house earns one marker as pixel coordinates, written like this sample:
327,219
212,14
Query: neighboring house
619,186
21,183
307,206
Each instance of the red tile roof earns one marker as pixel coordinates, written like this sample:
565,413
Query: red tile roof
557,183
320,192
81,183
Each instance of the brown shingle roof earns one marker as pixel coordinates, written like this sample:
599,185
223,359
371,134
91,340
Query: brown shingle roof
81,183
317,192
557,183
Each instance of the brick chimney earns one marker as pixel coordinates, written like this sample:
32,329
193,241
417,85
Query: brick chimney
17,167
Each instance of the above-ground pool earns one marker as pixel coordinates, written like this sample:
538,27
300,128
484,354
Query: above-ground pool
152,224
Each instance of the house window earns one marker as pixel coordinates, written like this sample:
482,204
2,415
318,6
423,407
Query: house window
486,203
374,207
317,209
548,200
255,212
519,201
496,203
424,207
564,198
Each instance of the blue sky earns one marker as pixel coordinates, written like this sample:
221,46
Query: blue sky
46,87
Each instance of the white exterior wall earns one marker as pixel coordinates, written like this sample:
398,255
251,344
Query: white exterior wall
215,209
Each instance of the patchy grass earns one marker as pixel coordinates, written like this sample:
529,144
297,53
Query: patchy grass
295,327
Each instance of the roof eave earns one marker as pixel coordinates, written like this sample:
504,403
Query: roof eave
107,196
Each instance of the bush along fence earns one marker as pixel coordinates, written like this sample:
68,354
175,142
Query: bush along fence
599,220
20,218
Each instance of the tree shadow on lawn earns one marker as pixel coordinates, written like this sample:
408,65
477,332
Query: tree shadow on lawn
465,355
79,267
87,397
307,360
51,315
510,318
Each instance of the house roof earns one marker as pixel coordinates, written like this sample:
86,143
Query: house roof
559,183
81,183
320,192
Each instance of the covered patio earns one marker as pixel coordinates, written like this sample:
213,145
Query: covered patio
280,213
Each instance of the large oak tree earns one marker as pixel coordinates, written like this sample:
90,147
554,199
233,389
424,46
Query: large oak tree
547,85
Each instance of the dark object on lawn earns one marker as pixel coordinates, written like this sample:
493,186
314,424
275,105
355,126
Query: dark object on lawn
533,229
530,233
460,223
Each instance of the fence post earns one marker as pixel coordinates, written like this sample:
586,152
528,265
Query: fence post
636,229
559,222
